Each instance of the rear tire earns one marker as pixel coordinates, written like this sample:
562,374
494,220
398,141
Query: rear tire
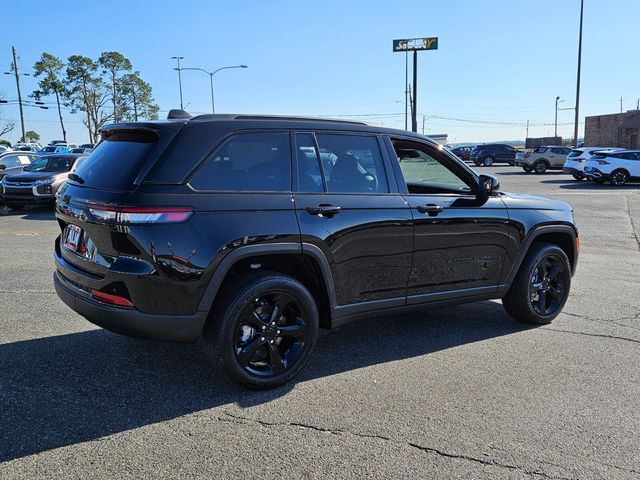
262,330
487,161
541,287
540,167
578,177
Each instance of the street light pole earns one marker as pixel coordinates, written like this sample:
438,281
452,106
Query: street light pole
211,74
575,127
179,78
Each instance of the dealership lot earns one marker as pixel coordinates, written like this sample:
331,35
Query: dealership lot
453,392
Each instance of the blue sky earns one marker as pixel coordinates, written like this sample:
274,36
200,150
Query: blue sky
499,63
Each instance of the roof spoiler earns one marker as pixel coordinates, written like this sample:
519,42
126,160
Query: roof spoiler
176,113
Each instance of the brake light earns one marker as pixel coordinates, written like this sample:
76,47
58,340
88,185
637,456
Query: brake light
579,160
111,299
137,215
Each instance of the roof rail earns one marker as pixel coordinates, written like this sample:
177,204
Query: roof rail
301,118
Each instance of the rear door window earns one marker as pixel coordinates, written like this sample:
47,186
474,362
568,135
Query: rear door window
352,163
117,160
258,162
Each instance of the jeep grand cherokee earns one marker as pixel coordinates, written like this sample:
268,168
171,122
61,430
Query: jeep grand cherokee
252,232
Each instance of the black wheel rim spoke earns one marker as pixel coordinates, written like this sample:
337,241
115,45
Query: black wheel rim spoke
271,334
297,331
246,354
277,362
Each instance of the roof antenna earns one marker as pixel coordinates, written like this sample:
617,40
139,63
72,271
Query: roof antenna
176,113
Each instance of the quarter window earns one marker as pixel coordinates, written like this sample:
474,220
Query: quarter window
248,162
352,163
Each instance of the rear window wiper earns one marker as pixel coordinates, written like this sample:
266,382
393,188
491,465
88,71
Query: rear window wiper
76,178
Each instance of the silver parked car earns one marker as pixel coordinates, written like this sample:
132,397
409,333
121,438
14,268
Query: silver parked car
14,162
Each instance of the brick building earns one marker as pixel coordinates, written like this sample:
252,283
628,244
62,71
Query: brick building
614,130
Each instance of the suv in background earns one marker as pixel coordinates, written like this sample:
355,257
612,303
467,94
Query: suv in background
489,154
575,162
463,153
38,182
544,158
617,166
252,232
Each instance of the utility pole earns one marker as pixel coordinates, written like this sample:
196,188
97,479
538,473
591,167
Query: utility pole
620,104
575,127
414,118
525,138
423,119
555,134
17,74
406,86
179,78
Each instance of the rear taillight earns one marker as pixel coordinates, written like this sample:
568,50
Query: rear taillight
579,160
137,215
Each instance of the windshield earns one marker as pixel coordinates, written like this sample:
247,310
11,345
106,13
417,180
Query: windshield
50,164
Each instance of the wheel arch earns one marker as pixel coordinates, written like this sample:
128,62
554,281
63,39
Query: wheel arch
306,263
564,236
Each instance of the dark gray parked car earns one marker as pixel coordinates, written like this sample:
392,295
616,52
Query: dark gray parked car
14,162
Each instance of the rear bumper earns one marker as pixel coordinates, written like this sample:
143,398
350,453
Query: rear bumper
125,321
572,171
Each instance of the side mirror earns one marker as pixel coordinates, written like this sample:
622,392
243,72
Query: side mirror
489,184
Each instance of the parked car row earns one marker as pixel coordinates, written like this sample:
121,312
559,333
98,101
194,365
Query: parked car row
56,146
34,179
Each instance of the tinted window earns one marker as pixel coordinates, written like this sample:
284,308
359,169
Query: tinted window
575,153
352,163
50,164
248,162
424,173
540,150
309,174
117,160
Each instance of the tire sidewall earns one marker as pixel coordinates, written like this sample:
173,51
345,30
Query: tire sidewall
487,161
618,172
527,272
543,166
231,317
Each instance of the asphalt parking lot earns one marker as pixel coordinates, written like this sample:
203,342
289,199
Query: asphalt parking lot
457,392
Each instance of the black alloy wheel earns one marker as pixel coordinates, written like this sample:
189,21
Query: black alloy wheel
271,334
618,177
262,329
541,287
548,285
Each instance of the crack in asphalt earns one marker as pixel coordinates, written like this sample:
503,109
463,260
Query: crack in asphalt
633,229
613,337
607,322
251,421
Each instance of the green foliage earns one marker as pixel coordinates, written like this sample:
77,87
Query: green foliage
31,136
135,98
50,70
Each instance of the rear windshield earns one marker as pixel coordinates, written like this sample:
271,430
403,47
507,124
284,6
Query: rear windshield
575,153
115,163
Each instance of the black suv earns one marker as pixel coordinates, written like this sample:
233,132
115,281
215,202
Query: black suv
489,154
253,232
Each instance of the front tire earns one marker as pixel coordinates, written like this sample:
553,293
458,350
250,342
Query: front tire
541,287
262,330
618,177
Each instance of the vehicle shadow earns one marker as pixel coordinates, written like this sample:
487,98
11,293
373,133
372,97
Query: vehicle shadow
591,186
69,389
29,213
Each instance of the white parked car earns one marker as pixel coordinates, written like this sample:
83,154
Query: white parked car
574,164
618,166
